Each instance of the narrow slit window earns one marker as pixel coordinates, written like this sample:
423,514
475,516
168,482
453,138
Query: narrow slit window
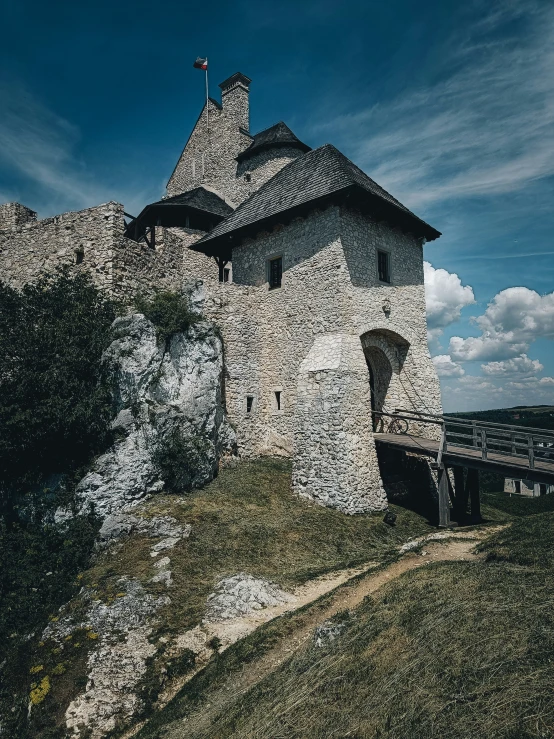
278,400
226,274
249,403
275,272
79,257
383,266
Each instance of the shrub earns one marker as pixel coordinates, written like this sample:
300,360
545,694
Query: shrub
178,459
170,312
55,403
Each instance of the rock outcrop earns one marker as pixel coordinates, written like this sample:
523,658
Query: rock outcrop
161,389
241,595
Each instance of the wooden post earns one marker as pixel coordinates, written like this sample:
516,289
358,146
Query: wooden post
531,452
444,503
473,485
460,500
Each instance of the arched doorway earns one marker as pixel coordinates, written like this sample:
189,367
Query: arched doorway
385,352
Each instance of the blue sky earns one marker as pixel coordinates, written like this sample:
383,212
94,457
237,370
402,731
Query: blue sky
449,105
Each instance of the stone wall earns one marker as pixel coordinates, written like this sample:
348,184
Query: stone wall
13,215
209,155
85,239
92,241
335,460
329,287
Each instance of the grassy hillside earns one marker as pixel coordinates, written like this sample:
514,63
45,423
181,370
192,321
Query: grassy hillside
246,520
454,650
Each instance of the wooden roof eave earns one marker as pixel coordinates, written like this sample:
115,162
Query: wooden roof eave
353,196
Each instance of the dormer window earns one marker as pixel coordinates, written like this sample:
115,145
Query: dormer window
383,265
275,270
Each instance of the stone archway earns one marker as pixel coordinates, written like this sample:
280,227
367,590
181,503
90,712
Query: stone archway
385,352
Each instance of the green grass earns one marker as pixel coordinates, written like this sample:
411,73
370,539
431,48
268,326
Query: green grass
248,520
517,505
454,650
450,651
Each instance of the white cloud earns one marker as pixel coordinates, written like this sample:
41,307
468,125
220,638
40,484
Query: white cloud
522,366
513,319
446,367
41,146
445,296
485,127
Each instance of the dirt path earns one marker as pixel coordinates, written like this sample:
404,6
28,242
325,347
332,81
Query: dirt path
347,597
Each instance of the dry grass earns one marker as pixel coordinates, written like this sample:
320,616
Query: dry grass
449,651
249,520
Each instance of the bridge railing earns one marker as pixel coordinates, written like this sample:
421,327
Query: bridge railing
488,438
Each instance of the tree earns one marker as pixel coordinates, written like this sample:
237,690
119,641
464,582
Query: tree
55,402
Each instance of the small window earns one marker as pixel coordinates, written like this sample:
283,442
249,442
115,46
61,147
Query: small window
278,400
383,265
249,403
542,488
275,272
79,256
248,177
226,274
517,486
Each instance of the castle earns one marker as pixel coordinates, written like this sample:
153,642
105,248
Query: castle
313,272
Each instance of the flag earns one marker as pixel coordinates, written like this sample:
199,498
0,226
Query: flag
200,63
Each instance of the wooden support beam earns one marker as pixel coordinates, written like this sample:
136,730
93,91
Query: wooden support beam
473,486
444,503
460,498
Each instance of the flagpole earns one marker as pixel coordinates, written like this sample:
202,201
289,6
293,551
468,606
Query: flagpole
207,101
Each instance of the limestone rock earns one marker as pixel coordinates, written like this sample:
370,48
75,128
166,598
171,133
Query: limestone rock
240,595
159,388
117,525
327,632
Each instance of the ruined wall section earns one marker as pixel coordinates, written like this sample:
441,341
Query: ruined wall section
85,240
93,241
13,215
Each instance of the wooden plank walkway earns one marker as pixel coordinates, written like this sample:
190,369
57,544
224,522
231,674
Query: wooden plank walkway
517,467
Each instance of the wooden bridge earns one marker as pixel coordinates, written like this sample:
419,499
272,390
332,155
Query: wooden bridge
513,451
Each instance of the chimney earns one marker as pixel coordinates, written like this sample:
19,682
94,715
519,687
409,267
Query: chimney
234,98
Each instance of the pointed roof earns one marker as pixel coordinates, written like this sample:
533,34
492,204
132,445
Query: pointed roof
275,136
317,178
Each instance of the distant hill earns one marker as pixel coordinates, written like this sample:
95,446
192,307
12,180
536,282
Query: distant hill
537,416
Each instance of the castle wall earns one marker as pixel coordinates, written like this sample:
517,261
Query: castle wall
253,172
208,158
329,288
35,247
116,264
13,215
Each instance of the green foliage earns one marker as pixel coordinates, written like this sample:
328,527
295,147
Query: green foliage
178,458
55,404
169,312
55,409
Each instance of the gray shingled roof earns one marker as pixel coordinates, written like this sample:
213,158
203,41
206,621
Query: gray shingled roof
199,198
275,136
320,174
204,205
